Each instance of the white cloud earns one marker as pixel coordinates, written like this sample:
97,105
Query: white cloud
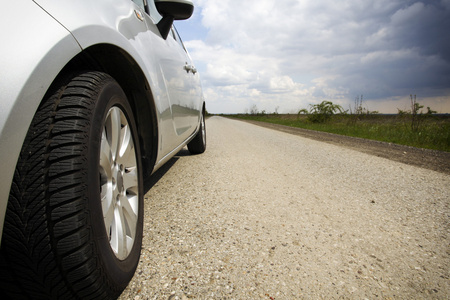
290,53
282,84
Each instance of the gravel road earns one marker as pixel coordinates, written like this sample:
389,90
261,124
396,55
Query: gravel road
264,214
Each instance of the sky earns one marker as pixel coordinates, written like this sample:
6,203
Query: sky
285,55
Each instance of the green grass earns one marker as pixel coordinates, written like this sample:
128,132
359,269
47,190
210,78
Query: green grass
433,133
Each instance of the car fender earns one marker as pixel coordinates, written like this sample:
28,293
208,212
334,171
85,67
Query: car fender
44,47
105,27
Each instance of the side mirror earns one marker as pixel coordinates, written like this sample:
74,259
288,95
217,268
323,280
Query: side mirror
172,10
177,9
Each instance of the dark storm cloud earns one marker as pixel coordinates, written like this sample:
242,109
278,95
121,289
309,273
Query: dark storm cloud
299,51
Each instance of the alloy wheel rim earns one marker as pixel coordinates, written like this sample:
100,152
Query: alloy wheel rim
119,183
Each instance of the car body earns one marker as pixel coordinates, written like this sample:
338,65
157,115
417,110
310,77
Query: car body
95,73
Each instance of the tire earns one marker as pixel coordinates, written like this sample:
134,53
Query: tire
198,143
73,227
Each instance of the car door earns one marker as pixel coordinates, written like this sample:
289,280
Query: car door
170,65
179,96
179,74
193,103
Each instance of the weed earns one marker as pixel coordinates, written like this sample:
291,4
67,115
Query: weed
321,113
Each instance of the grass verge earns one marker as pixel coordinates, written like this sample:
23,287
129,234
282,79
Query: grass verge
433,132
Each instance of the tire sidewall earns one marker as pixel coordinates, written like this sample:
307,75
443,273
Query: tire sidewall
119,272
203,130
202,135
198,144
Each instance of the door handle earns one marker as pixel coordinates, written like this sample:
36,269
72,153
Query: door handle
190,68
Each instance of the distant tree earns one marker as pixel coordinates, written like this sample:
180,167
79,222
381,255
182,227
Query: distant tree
402,112
430,111
276,110
415,117
415,114
254,110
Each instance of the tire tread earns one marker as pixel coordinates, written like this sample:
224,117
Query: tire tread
45,233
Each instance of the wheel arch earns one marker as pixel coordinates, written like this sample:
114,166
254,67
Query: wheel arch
123,68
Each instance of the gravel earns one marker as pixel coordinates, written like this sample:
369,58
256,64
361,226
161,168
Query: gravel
424,158
264,214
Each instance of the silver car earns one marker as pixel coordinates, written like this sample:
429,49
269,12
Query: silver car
95,96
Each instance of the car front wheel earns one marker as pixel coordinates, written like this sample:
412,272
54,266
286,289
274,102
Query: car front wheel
73,227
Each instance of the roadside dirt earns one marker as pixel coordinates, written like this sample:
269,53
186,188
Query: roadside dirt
429,159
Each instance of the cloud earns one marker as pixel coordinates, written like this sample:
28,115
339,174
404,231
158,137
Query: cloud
290,53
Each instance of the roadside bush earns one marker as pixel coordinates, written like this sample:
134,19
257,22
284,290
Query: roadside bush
359,112
321,113
415,116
